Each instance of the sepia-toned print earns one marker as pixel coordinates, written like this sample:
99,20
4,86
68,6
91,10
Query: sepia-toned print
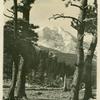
50,50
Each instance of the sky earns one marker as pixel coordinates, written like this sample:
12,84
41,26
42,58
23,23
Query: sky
43,9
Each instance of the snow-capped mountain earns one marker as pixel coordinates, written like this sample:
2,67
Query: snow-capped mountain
60,39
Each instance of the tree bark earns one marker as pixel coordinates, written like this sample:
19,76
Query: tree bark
67,83
15,19
20,92
26,14
88,68
80,52
26,11
14,78
15,56
74,87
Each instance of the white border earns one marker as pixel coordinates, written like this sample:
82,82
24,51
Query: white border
98,54
1,48
1,51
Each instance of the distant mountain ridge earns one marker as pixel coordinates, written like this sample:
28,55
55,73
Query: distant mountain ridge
62,41
63,44
68,58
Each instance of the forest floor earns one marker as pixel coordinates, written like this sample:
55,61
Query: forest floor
38,92
43,94
47,93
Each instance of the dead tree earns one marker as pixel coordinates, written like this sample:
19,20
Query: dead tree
14,55
87,71
79,25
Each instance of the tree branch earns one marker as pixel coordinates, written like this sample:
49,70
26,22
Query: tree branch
8,16
94,24
89,19
77,6
10,11
56,16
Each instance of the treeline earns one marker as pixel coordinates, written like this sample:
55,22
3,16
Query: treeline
49,67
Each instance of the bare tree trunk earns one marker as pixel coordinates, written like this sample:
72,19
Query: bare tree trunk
14,78
26,14
15,19
80,52
27,8
15,56
20,92
74,83
65,84
88,68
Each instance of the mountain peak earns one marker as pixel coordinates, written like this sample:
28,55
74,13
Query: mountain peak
57,39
